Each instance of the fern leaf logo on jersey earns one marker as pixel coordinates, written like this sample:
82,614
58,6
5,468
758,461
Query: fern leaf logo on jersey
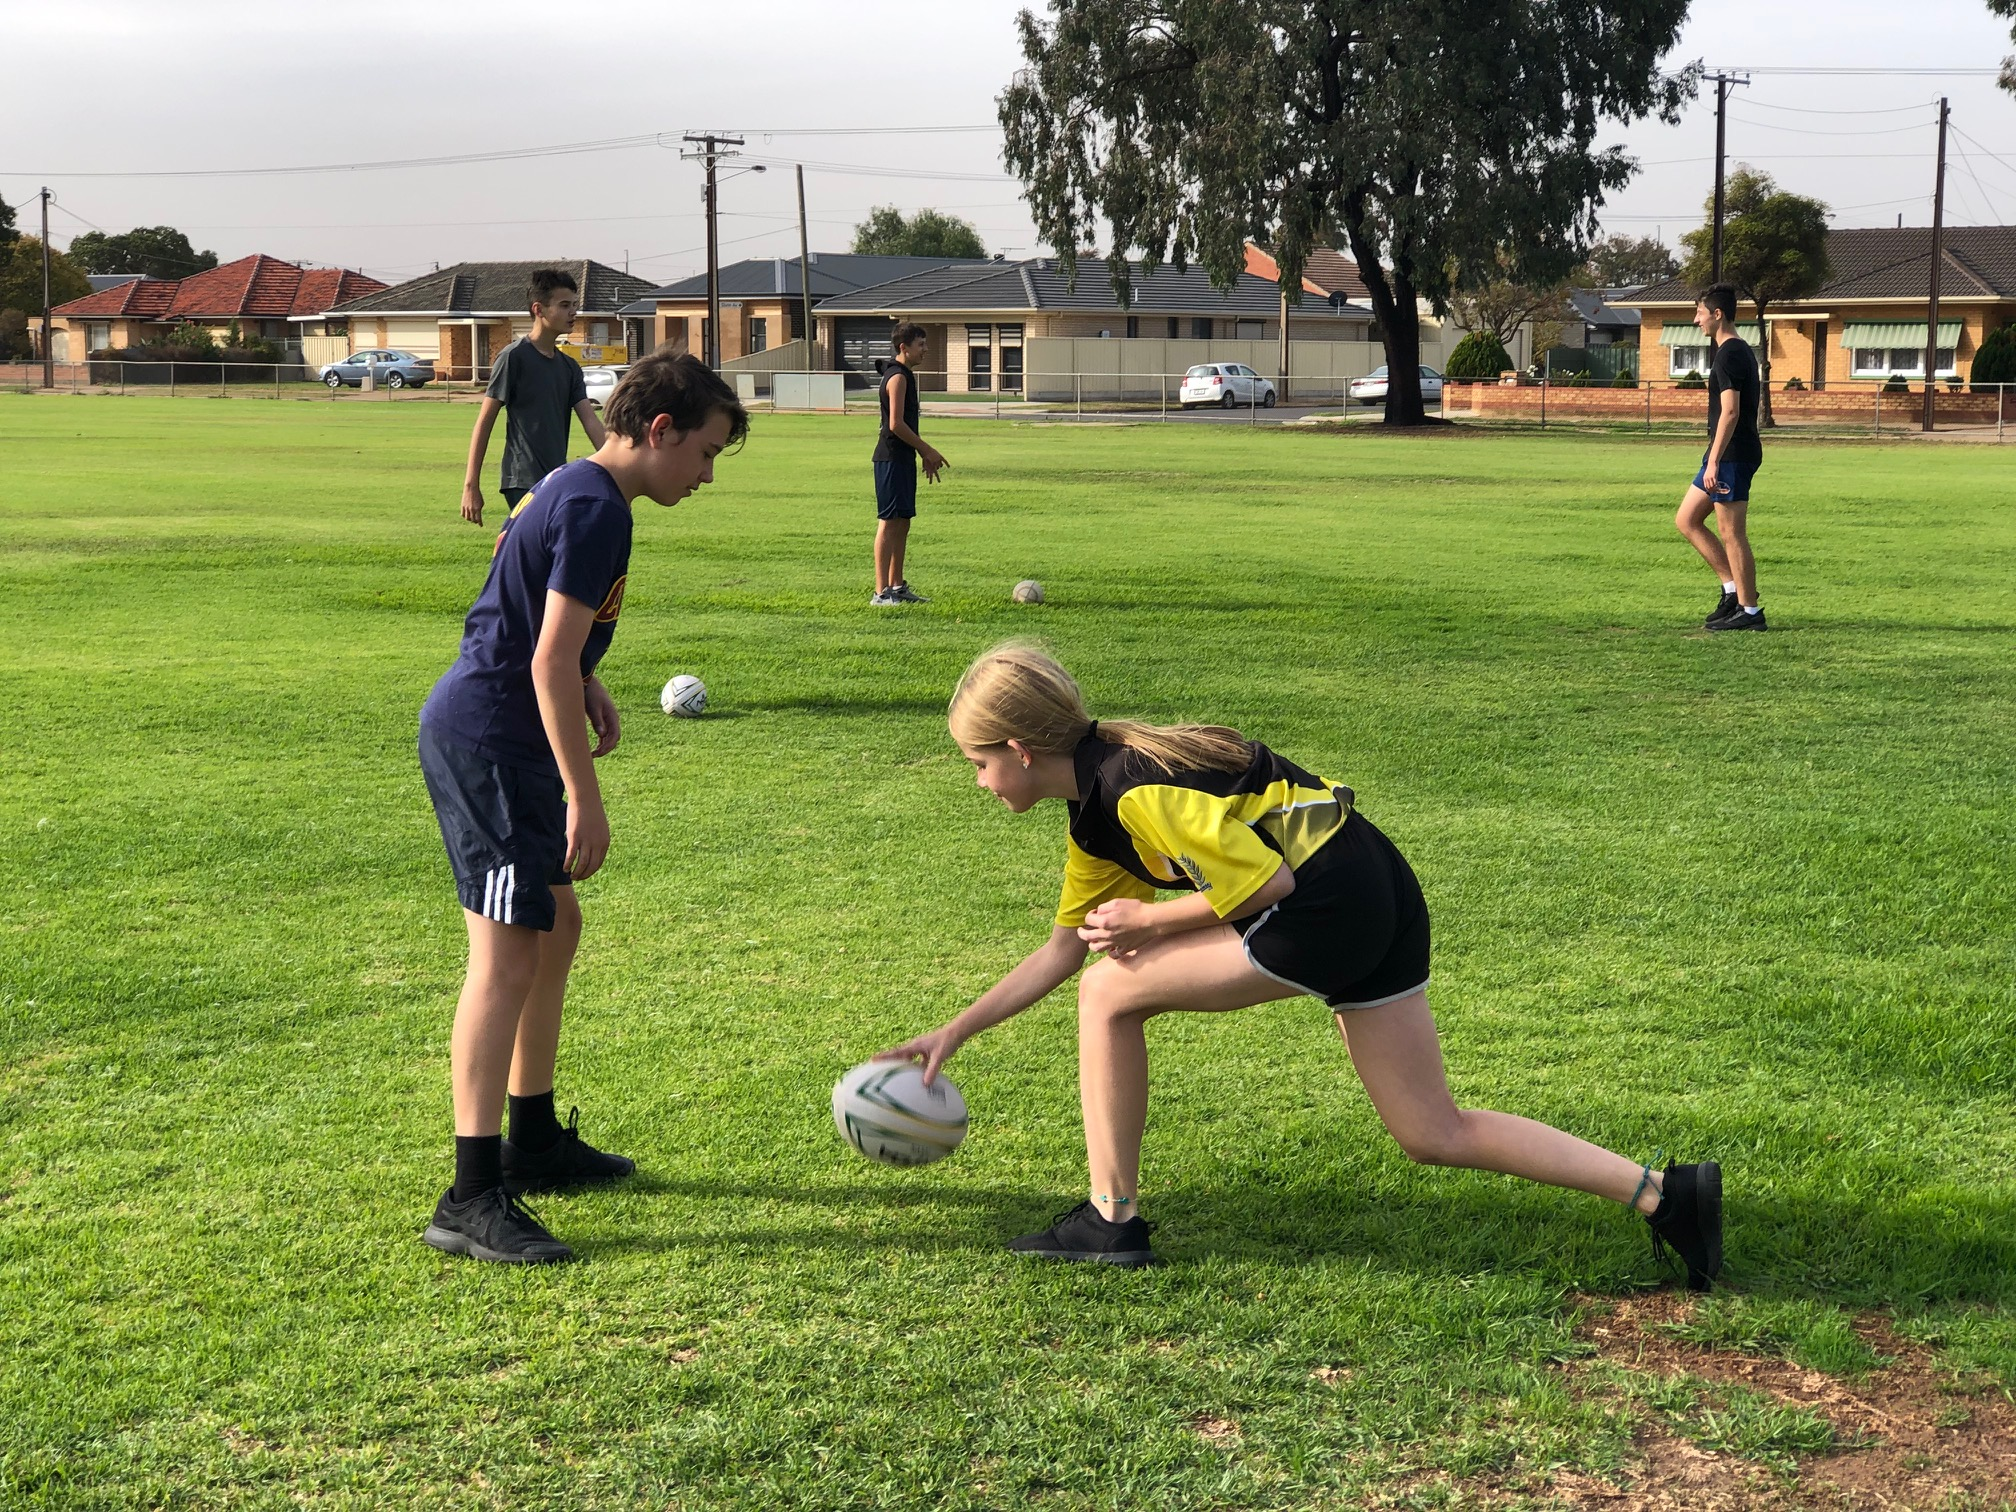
1194,872
612,605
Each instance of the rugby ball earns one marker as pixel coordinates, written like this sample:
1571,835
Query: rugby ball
1028,591
685,697
886,1112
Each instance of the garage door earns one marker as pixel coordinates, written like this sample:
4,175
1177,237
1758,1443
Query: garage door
863,341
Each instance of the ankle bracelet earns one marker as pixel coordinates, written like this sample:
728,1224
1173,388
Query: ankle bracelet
1645,1176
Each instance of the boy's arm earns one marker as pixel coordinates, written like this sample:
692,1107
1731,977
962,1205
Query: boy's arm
563,710
933,458
592,424
479,443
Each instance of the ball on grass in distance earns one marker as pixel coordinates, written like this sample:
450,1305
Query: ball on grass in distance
886,1112
685,697
1028,591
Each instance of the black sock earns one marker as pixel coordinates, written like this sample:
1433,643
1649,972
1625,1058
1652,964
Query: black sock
534,1128
479,1164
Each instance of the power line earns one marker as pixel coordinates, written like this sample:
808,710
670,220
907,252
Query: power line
1756,104
1824,131
1926,73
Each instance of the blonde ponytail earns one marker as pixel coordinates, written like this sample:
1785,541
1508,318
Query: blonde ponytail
1020,692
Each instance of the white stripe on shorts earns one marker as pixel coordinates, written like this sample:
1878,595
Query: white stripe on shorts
510,890
489,891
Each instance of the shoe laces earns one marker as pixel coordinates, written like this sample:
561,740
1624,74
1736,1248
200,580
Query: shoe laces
573,1129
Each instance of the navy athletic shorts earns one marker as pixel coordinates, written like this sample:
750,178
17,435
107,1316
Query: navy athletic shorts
1734,476
1355,934
896,490
505,829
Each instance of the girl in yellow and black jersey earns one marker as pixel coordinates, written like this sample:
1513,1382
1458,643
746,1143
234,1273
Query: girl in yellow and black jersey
1287,890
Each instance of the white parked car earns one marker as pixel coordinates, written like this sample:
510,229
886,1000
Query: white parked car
601,383
1371,389
1231,384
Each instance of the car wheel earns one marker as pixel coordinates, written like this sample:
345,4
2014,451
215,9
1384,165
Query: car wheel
334,380
1230,400
396,380
1267,401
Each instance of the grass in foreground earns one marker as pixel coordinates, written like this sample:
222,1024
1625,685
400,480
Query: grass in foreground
1746,896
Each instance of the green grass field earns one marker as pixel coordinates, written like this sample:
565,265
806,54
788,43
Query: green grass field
1748,897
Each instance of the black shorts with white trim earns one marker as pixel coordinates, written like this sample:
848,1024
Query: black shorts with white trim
1355,930
505,830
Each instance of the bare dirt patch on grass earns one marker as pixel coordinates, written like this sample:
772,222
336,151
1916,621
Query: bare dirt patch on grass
1909,1435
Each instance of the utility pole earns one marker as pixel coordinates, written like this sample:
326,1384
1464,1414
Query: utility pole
48,352
804,268
1938,255
1724,82
710,154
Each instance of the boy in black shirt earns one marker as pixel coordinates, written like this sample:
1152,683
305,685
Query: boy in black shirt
1734,454
505,752
898,448
540,389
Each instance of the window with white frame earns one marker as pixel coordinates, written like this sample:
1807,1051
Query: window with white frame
1880,362
1683,360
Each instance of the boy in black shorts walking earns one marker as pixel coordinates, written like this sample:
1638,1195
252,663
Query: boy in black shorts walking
504,749
540,389
897,448
1735,452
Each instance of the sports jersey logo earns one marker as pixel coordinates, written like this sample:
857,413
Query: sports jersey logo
612,605
1194,872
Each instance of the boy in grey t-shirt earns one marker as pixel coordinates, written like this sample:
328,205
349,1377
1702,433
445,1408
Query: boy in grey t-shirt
539,387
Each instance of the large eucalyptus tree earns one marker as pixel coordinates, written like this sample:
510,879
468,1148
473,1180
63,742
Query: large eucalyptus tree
1445,141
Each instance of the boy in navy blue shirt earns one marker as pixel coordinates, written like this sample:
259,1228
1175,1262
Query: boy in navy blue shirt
504,749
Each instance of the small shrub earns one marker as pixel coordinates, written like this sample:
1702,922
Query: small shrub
1478,355
1578,379
1691,379
1896,383
1794,384
1625,379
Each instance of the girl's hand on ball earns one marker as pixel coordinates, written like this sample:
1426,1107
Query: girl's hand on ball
1123,925
933,1049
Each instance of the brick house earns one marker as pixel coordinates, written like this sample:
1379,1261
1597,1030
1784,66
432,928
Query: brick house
980,318
1869,322
762,307
462,316
262,296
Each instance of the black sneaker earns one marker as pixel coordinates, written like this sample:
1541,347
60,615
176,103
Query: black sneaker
1739,618
572,1162
1723,605
1688,1220
903,593
495,1226
1080,1233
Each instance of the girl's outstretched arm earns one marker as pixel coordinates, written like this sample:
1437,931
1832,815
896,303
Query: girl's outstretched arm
1040,973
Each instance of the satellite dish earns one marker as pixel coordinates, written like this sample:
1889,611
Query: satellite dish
1337,299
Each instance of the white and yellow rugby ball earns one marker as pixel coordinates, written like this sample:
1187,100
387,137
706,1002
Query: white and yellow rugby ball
886,1112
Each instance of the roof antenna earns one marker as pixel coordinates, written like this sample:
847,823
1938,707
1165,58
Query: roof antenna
1900,220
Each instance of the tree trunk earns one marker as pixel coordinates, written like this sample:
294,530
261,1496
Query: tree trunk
1764,416
1399,326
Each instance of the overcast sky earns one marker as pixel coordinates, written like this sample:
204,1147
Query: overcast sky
138,85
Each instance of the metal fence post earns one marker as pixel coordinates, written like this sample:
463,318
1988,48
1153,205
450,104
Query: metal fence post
1543,401
1078,392
1162,394
1879,407
122,380
1648,406
223,374
171,380
2001,403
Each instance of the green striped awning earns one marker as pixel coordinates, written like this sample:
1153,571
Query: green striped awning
1683,333
1897,333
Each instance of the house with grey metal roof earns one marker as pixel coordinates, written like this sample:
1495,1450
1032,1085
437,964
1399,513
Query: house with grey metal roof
1870,320
462,316
762,306
982,318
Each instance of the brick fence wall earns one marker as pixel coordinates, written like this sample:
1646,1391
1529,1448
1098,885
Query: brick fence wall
1795,406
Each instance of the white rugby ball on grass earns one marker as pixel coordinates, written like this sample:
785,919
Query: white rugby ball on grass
886,1112
685,697
1028,591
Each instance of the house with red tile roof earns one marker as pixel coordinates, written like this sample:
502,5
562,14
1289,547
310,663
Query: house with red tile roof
260,295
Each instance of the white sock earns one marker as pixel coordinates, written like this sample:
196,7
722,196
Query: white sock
1753,609
1728,587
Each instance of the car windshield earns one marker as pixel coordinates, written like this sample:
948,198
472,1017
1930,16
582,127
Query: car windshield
1379,372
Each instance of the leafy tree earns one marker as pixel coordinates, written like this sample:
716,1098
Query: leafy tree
1995,362
2006,8
928,233
14,343
7,232
1501,304
1478,355
1631,261
151,251
1428,136
21,277
1774,249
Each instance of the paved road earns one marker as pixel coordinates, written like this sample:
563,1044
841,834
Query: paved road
1067,414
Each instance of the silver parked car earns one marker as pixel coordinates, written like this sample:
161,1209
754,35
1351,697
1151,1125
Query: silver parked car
1230,384
1371,389
392,369
601,382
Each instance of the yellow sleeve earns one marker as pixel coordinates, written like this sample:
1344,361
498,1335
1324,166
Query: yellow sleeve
1200,833
1089,881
